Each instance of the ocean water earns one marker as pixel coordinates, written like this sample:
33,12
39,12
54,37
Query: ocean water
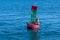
14,14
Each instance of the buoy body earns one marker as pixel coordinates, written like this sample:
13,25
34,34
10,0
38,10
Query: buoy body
32,26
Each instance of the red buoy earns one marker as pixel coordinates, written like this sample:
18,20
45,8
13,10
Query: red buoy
33,24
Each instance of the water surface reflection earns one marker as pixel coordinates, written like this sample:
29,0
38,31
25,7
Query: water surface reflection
33,35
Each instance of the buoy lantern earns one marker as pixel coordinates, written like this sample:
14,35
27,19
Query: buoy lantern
34,8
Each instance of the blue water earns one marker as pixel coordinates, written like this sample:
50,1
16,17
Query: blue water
14,14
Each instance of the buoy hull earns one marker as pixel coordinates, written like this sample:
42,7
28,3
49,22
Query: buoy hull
32,26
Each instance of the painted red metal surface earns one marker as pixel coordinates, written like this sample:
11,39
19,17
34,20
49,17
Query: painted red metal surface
34,8
32,26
